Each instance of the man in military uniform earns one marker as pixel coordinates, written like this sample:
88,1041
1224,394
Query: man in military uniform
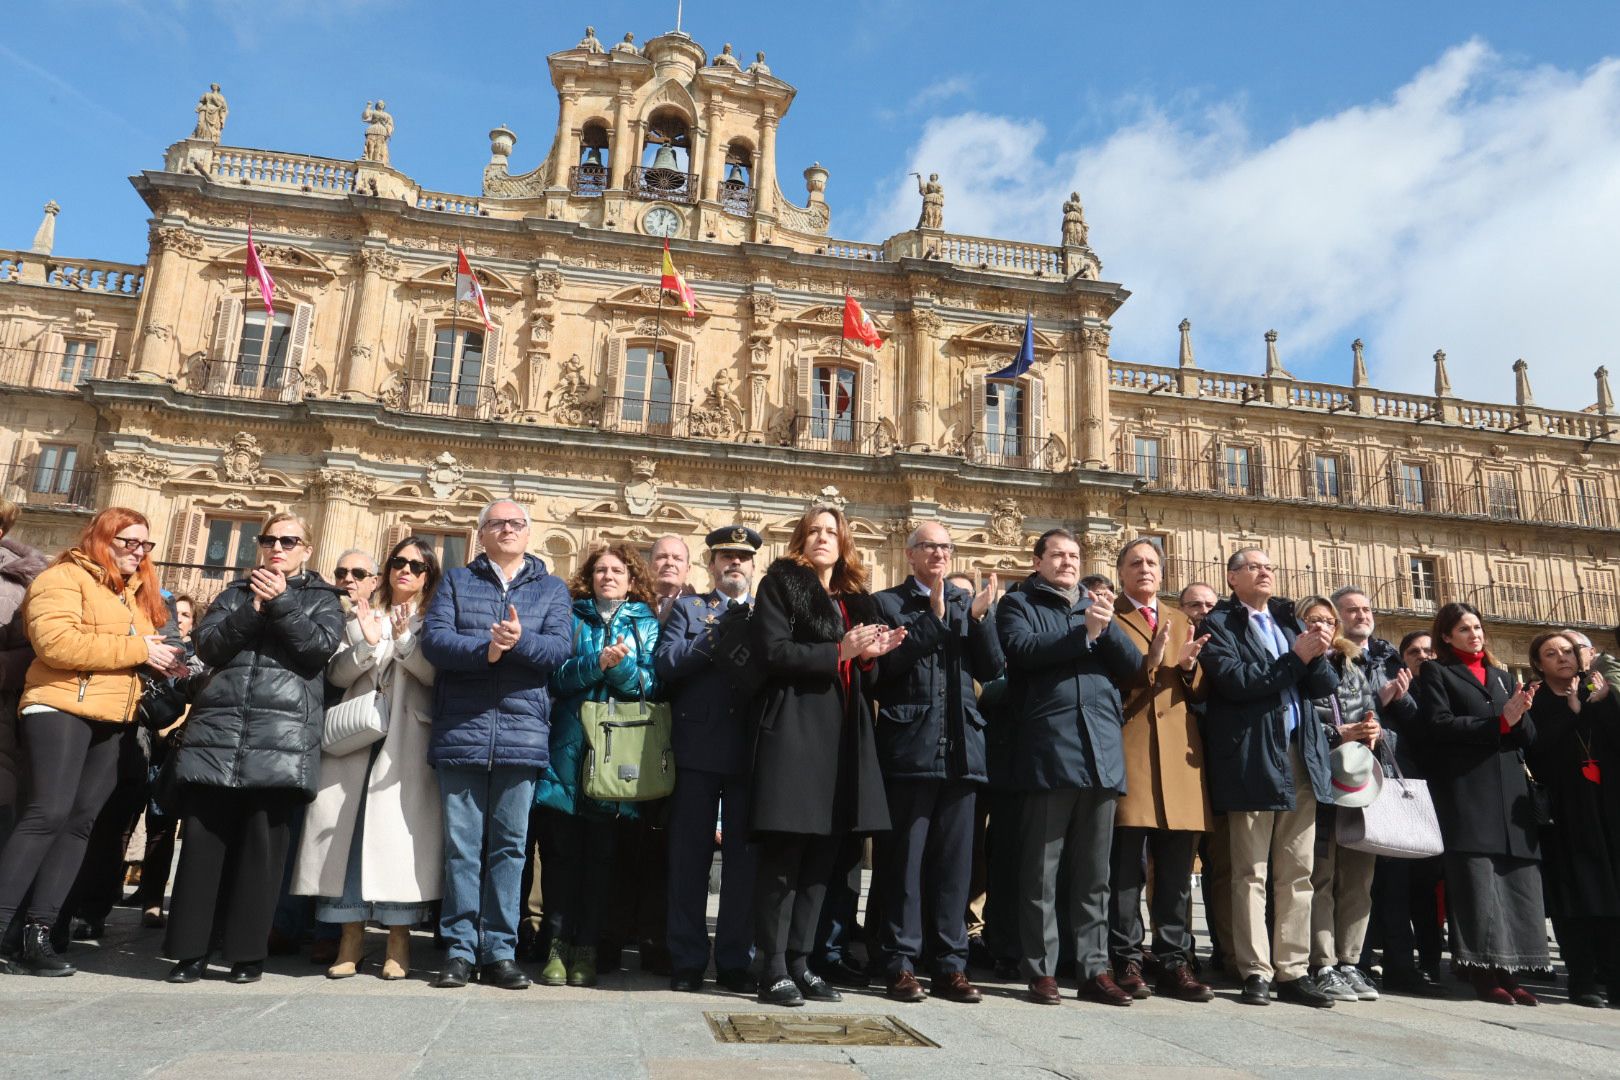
702,664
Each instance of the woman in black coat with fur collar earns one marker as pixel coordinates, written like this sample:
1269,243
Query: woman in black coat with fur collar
816,775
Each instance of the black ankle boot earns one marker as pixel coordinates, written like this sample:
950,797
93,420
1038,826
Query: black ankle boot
38,957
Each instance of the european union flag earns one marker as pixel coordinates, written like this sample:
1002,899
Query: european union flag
1026,353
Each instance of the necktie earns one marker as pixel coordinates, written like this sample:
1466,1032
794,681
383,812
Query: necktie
1276,645
1152,617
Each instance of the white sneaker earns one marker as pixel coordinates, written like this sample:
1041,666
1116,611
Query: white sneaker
1334,985
1358,981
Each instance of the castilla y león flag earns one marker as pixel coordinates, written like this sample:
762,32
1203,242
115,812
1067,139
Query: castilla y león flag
257,272
672,281
858,324
467,287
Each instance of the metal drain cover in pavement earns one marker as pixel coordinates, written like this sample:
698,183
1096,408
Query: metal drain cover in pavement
817,1029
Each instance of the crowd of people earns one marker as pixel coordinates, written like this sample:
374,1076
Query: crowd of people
1023,771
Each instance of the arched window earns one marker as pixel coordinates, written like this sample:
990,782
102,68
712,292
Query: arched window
665,171
590,174
1009,422
649,388
1004,418
257,353
453,368
261,358
457,371
737,189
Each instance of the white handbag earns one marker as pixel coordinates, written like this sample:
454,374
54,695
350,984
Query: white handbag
1399,824
355,724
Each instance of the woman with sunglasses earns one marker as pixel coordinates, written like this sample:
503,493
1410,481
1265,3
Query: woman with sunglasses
373,843
250,750
91,619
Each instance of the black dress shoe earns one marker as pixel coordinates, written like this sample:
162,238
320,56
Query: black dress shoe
39,954
815,988
1413,981
187,971
781,992
1256,991
246,972
737,980
841,973
687,981
503,975
85,930
457,972
1303,992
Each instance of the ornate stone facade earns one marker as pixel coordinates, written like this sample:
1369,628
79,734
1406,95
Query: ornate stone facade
378,406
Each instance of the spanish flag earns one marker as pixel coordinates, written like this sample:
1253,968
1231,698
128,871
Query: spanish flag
672,281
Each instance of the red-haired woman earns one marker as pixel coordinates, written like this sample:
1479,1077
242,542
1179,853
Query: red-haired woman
816,774
90,619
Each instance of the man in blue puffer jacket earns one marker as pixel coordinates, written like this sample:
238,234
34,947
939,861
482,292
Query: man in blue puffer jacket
494,632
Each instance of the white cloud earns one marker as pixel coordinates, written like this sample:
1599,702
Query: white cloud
1477,209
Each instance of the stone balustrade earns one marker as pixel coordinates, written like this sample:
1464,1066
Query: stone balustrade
1001,256
849,249
445,203
79,275
1402,406
297,172
11,266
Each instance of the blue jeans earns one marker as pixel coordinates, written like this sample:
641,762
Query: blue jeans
352,906
486,833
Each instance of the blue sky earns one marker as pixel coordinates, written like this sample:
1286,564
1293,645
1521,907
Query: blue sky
1418,175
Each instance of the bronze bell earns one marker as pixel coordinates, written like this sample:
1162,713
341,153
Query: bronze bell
593,156
665,158
734,175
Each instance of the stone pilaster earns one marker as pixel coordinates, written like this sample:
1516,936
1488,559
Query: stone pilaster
362,365
156,351
1091,398
924,355
133,479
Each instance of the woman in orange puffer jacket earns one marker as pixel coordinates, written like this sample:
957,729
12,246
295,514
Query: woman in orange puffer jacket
90,619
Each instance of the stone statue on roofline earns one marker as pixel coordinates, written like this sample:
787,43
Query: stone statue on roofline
379,128
1075,230
726,59
628,45
933,202
590,43
211,113
758,66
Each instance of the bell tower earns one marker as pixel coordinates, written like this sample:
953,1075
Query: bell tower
664,140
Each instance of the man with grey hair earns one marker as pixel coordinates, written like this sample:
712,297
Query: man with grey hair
356,575
671,564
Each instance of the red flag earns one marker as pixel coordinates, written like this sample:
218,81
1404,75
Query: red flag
858,324
257,272
467,287
672,281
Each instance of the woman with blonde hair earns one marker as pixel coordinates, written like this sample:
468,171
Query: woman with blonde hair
373,841
250,751
91,619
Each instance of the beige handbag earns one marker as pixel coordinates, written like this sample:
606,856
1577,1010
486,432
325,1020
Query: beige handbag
355,724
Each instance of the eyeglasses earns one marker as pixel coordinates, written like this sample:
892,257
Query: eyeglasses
359,573
1255,567
400,562
1321,620
287,542
934,548
134,545
503,524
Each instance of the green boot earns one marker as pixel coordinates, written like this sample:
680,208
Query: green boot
582,966
555,973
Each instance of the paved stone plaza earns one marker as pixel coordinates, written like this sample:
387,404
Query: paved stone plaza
115,1019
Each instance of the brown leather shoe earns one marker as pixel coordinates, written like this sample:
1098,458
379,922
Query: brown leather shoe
1043,990
905,987
954,986
1104,991
1132,982
1180,983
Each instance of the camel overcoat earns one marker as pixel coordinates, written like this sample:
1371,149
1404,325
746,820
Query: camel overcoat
1164,751
403,857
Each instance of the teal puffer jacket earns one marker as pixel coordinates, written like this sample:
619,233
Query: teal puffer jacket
581,679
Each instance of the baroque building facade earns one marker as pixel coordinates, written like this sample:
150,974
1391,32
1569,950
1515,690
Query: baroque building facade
373,402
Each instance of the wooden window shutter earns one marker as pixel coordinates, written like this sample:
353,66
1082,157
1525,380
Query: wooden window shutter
681,390
807,379
186,534
979,405
422,355
492,357
227,330
612,380
396,533
298,349
866,397
1036,420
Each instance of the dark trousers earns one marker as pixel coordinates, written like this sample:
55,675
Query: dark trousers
700,799
1071,829
1170,905
157,860
1406,913
1002,833
639,893
100,882
576,874
794,869
1591,951
926,859
840,906
232,860
72,767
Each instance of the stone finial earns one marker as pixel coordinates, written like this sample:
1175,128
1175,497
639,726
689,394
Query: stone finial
815,182
501,141
1521,384
1186,344
1442,381
45,237
211,114
1358,373
1274,368
1605,398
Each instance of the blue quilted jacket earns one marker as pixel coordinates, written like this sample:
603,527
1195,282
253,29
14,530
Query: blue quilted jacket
579,679
494,714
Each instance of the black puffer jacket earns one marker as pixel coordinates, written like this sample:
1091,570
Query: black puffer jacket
256,722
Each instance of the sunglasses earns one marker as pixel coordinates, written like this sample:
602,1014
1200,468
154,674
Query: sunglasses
359,573
400,562
134,545
287,542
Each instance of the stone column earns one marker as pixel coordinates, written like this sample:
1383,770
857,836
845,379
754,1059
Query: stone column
341,500
134,479
156,351
362,361
1099,546
918,434
713,161
567,143
1091,406
623,154
765,167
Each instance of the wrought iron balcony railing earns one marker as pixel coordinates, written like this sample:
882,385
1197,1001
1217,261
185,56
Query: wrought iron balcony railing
255,381
1009,451
667,418
737,199
40,483
837,435
51,369
670,185
440,397
587,181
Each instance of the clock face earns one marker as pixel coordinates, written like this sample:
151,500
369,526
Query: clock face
661,221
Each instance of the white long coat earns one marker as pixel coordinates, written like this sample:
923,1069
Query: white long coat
403,857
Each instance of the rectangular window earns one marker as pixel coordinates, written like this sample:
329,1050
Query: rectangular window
1513,598
832,404
458,367
1589,502
1325,478
450,547
1003,419
1425,582
1502,496
1145,462
1411,486
649,388
55,469
78,362
1335,568
233,544
262,359
1238,474
1598,597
